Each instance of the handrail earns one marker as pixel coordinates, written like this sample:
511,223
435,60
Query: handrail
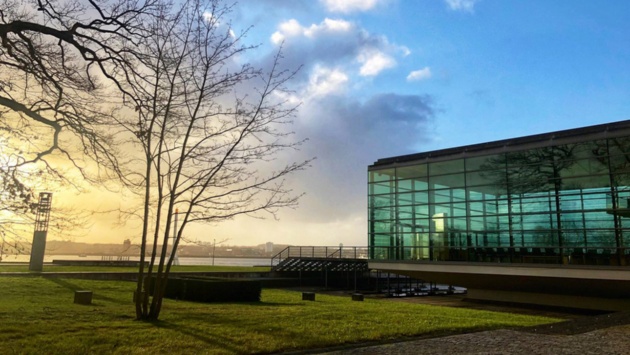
279,256
321,252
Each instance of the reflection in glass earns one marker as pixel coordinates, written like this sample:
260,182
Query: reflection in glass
530,205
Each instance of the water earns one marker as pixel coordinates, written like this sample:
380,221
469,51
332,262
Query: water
182,260
226,261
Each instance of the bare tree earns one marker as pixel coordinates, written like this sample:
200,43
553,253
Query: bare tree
58,60
209,129
74,73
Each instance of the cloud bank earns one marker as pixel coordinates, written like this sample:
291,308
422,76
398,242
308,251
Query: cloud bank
336,42
345,132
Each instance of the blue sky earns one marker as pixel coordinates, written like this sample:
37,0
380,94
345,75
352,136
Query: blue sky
381,78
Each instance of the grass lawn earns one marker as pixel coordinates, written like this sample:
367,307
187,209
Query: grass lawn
181,268
37,315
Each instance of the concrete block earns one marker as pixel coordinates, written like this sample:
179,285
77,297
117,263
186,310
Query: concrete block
357,297
83,297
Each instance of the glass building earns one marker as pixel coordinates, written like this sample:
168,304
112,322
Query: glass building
555,198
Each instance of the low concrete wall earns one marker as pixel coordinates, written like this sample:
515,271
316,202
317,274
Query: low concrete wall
588,287
130,276
554,300
121,263
268,279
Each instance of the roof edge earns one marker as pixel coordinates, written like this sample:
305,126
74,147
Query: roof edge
606,130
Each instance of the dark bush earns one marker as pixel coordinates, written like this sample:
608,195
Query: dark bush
201,289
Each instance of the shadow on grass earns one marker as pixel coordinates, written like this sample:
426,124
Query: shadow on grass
213,339
64,283
96,296
238,341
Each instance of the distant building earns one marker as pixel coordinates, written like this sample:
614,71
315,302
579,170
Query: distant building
269,247
543,218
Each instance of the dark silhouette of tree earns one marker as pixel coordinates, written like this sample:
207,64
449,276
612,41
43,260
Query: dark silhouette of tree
208,127
62,66
79,79
533,171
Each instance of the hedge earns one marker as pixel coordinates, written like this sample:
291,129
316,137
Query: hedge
212,289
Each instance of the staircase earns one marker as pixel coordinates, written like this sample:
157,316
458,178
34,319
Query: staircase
330,259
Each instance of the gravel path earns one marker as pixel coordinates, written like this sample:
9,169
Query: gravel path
614,340
579,333
595,334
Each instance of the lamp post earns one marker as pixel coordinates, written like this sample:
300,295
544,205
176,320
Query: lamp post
41,231
214,245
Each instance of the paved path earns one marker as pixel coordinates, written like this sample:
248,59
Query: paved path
614,340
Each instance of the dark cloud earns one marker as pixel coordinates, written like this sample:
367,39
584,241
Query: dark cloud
410,109
345,133
346,136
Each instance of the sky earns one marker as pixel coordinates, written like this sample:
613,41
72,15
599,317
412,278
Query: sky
382,78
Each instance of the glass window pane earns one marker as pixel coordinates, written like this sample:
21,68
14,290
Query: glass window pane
381,188
489,162
486,177
405,199
585,182
382,201
421,197
381,227
413,171
383,213
585,167
446,167
447,181
404,185
381,175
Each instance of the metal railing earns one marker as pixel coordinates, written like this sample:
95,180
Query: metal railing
323,252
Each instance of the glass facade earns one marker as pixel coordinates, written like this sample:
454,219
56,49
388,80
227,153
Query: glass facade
531,203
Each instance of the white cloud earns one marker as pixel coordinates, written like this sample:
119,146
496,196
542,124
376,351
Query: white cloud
328,25
374,62
348,6
337,43
292,28
461,5
418,75
325,81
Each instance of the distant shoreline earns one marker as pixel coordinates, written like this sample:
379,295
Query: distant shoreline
183,260
187,256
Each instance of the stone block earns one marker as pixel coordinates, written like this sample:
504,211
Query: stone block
83,297
357,297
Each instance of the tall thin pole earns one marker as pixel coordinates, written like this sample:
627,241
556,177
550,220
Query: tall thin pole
214,246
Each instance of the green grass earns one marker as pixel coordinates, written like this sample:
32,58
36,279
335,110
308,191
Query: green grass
38,315
178,268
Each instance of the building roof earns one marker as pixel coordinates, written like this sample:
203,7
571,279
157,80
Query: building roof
602,131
